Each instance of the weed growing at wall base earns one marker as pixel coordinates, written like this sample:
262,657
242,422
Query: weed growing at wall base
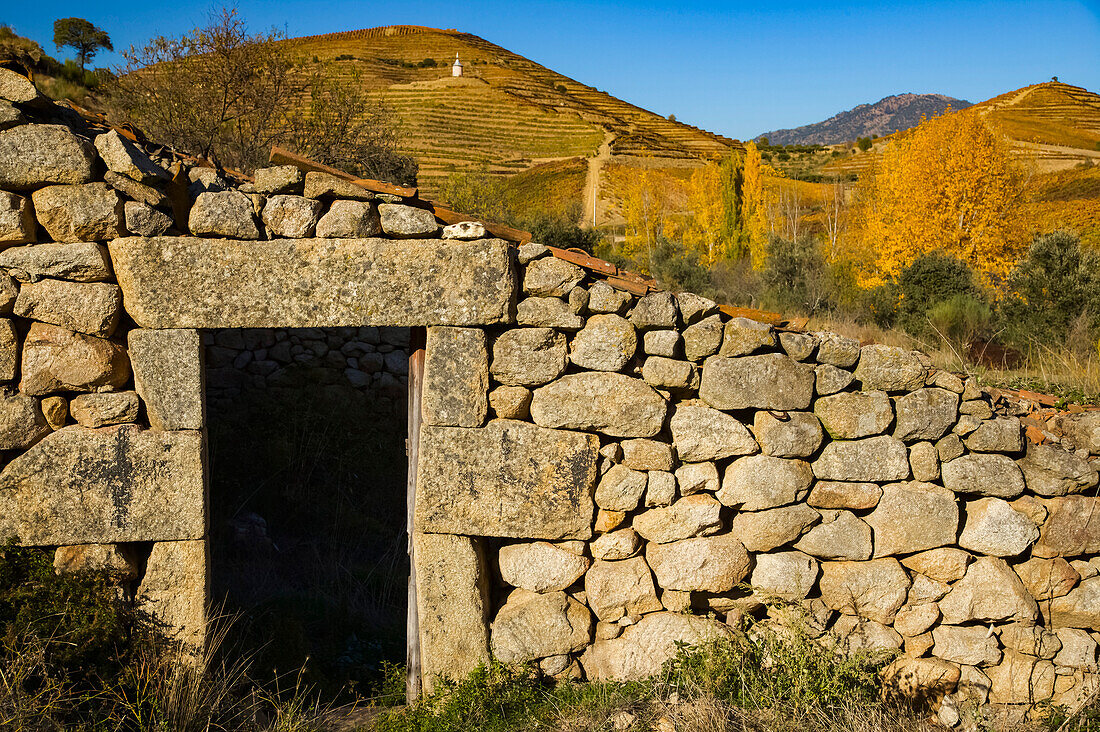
763,678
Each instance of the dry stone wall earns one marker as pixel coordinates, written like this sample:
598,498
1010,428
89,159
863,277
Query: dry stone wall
600,475
274,360
725,469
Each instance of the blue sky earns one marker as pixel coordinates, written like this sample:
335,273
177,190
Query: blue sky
734,68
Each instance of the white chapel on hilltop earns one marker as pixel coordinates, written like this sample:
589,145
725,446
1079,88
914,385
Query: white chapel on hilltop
456,67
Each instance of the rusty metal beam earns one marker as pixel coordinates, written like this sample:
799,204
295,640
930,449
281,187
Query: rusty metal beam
447,216
762,316
281,156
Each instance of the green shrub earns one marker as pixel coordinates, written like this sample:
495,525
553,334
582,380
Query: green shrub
778,669
779,677
960,319
76,621
930,280
88,78
796,277
1054,286
65,638
561,230
677,268
494,698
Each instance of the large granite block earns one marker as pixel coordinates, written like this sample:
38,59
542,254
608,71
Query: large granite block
175,592
452,596
85,486
456,377
506,479
186,282
168,376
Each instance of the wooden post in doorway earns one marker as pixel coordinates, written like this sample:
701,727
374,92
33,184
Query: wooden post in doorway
413,681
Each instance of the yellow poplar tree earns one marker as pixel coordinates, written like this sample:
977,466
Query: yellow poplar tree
648,198
754,213
950,185
704,234
729,209
731,171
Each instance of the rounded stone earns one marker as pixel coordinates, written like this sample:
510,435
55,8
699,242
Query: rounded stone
510,402
687,517
701,433
614,404
551,277
294,217
993,527
875,590
912,517
605,343
767,381
701,564
889,368
540,566
925,414
840,535
407,222
858,414
758,482
789,576
528,356
616,545
787,434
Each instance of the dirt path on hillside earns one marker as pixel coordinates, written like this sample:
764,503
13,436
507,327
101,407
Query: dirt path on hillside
1020,94
592,181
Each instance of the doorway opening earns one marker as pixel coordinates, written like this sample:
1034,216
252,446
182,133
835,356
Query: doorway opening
308,473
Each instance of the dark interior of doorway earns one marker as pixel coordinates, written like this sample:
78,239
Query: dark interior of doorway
307,433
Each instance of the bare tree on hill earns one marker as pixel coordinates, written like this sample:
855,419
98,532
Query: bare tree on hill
224,94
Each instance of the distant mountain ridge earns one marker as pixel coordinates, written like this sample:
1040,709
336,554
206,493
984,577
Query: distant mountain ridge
884,117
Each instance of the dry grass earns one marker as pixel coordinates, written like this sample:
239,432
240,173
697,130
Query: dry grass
709,714
163,688
1072,375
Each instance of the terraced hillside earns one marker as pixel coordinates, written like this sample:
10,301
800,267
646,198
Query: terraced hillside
506,113
1052,112
461,123
1057,123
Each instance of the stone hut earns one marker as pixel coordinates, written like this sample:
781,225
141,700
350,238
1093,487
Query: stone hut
602,469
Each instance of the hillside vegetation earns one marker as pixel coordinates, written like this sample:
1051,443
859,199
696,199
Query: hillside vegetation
506,114
1053,128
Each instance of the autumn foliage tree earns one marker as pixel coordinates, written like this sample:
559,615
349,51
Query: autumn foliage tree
713,213
948,186
754,205
728,211
651,202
